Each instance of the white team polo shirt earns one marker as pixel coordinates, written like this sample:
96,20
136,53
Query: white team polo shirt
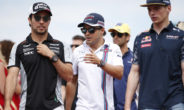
90,94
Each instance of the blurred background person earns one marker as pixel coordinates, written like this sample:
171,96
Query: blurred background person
121,36
5,48
77,40
180,25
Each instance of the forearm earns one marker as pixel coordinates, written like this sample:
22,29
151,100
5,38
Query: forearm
64,70
2,79
70,92
115,71
9,89
133,80
11,82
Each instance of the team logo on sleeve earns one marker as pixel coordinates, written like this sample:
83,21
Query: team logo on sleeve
146,39
119,54
55,48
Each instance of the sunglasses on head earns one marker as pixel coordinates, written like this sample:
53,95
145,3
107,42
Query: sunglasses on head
113,34
44,18
74,45
91,30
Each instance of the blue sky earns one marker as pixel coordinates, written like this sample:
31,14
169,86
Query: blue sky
67,14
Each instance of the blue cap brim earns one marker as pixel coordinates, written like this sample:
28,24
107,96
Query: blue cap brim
93,25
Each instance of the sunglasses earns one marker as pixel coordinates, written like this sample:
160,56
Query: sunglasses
91,30
44,18
74,46
113,34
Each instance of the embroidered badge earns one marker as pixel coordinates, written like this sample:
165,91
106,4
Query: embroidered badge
146,45
172,37
146,39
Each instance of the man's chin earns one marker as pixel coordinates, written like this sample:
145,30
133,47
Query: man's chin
42,33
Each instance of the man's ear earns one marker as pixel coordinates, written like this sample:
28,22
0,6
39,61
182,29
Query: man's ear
169,8
103,31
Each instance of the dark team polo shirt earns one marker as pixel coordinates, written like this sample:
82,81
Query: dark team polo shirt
159,58
40,72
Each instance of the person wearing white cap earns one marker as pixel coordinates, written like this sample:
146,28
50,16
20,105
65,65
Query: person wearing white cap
158,62
44,61
121,36
95,63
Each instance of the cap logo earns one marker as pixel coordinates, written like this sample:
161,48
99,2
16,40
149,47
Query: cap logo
89,18
93,19
118,24
166,1
40,6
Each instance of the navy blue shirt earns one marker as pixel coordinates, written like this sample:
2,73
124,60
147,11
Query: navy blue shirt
121,85
159,57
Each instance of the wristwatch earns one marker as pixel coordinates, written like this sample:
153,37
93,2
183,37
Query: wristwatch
102,63
54,58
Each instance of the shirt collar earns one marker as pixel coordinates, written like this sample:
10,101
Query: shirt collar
127,53
49,38
168,28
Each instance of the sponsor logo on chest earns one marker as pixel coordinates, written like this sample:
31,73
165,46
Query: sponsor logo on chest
146,39
172,37
28,50
145,45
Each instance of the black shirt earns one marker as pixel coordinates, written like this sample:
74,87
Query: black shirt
159,58
40,72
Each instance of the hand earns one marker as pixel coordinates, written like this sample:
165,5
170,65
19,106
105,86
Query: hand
91,58
44,50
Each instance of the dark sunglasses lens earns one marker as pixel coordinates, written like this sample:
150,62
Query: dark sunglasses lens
37,18
46,18
120,35
74,46
113,34
91,30
83,30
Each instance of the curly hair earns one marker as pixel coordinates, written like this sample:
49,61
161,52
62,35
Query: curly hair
6,46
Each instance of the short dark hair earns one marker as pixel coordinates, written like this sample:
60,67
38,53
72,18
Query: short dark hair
6,46
30,16
78,37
